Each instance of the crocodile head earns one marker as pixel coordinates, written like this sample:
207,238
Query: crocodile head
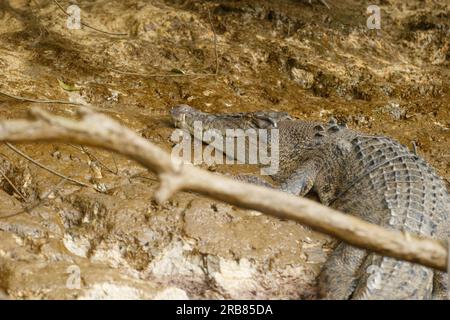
184,116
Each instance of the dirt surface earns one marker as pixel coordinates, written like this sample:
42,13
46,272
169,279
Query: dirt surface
285,55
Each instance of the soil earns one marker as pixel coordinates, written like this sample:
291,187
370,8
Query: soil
292,56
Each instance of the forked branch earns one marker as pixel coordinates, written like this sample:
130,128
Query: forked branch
98,130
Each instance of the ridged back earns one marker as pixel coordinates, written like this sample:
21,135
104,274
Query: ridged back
397,189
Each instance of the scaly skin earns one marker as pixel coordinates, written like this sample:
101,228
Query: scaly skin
372,177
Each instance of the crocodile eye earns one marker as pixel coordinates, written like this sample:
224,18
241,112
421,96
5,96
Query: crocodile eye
319,127
263,121
332,121
333,128
319,135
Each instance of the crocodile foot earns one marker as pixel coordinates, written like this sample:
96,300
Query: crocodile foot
339,276
440,286
351,273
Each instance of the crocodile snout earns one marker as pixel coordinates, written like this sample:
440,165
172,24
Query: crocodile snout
179,114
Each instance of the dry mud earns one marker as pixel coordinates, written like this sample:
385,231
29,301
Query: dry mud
280,55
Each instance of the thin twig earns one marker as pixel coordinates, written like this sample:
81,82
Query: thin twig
89,26
12,185
325,3
37,203
44,167
5,156
215,42
47,101
92,157
139,175
161,75
414,145
175,75
104,166
39,100
115,163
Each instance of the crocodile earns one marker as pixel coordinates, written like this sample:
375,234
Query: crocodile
372,177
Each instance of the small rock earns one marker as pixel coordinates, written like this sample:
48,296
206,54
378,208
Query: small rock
207,93
302,77
56,155
96,171
114,96
394,110
171,293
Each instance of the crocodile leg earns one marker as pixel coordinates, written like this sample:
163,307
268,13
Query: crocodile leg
339,275
299,183
302,180
440,286
383,277
441,280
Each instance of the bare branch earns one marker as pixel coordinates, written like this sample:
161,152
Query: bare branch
98,130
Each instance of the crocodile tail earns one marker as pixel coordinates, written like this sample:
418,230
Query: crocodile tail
383,277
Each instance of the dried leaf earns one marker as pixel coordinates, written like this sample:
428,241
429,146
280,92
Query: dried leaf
66,86
179,71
